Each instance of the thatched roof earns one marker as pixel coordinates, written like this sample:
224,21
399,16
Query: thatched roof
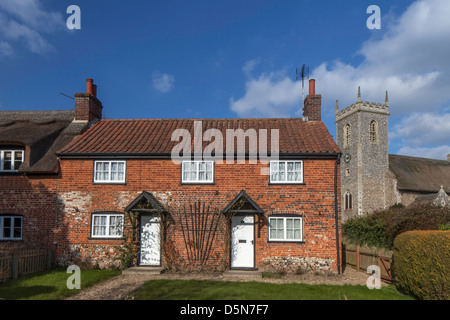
420,174
40,132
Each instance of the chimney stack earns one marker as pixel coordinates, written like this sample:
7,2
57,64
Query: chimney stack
87,106
312,109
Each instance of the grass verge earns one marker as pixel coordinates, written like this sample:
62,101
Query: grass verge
223,290
50,285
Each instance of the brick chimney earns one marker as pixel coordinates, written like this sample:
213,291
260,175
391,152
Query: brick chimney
312,108
87,106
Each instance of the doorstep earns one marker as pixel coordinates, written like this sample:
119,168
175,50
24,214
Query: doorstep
143,270
243,274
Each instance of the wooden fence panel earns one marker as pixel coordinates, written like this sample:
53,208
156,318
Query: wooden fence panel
362,257
16,263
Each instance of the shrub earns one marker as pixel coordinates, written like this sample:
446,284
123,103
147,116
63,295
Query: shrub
380,228
444,227
421,261
369,230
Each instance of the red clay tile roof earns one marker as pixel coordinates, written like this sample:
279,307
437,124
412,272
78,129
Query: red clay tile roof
153,136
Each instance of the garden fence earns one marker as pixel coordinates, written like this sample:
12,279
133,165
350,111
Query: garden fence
15,263
362,257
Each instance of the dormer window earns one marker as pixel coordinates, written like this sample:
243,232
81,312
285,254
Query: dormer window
10,159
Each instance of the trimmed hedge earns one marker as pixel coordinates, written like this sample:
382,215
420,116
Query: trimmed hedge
422,264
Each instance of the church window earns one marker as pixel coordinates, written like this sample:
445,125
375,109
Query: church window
347,136
348,202
373,132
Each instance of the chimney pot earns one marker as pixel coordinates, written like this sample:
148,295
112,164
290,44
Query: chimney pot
312,87
94,90
89,86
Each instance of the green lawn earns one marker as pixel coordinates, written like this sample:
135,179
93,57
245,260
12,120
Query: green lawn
223,290
50,285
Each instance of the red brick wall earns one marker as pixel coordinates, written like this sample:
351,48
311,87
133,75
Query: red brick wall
314,201
34,198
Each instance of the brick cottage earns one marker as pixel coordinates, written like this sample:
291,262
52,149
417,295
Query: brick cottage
119,183
30,171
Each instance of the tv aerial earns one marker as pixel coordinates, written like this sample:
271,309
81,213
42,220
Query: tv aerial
302,73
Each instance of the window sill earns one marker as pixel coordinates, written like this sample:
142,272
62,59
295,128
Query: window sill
198,183
287,184
286,241
105,238
113,183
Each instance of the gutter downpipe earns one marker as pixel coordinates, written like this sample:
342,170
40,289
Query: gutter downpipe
336,211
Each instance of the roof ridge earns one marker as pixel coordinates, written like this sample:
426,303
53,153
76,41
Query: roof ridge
208,119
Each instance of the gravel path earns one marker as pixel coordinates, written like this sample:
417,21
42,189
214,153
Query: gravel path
119,287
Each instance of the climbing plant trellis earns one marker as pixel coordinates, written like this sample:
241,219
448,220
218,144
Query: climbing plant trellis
199,223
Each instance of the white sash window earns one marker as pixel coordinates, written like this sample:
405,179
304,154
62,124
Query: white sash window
285,229
109,171
107,225
286,171
197,172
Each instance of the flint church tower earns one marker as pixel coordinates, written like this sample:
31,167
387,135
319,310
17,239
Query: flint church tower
362,136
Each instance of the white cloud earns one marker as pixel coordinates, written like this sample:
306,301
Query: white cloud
422,129
5,49
424,135
439,152
410,61
268,96
24,21
163,82
249,66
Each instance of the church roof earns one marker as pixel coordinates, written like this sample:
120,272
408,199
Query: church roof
420,174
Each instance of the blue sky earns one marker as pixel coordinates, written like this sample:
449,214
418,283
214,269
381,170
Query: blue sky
231,59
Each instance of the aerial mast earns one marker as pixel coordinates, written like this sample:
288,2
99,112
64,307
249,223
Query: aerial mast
302,73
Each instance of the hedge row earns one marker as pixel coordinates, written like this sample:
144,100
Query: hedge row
380,228
422,264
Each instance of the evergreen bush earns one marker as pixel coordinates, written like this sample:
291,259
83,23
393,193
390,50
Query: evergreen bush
421,264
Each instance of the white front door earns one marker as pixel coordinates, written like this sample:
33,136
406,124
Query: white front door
242,241
150,244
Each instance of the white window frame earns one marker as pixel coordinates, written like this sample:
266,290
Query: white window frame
196,180
109,171
107,225
284,219
285,172
13,157
11,226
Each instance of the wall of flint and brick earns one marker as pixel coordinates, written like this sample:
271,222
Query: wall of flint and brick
34,198
79,198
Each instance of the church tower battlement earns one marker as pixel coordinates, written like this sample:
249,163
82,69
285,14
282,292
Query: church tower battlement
360,105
